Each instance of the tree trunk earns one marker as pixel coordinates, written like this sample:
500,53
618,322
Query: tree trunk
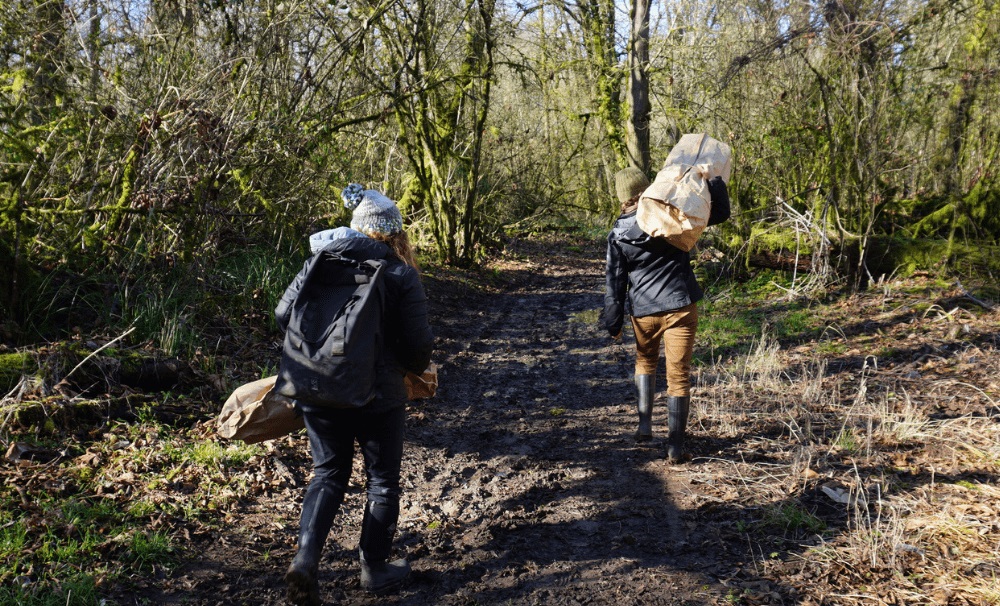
597,18
638,60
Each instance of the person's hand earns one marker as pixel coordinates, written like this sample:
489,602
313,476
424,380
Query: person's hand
617,337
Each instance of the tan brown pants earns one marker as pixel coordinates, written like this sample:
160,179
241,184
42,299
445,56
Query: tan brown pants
676,329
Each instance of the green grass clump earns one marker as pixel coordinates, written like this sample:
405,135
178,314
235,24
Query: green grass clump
149,549
719,330
254,279
587,316
212,454
831,348
794,518
78,590
796,322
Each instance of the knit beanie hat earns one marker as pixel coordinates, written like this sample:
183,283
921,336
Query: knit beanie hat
629,183
373,211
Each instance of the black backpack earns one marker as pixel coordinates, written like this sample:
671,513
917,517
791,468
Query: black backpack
333,343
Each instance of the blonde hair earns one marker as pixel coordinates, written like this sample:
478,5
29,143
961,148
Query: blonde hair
399,242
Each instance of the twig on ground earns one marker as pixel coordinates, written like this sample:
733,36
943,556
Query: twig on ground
99,350
969,296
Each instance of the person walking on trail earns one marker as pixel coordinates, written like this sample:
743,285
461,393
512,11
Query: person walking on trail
378,426
652,281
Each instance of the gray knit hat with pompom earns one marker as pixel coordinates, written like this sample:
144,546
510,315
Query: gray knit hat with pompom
374,212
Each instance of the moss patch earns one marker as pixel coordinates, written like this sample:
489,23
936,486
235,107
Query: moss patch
906,256
13,366
772,240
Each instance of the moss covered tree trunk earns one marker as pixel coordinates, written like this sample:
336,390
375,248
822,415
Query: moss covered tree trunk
638,61
442,121
597,18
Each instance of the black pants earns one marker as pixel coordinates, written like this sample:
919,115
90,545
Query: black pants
332,435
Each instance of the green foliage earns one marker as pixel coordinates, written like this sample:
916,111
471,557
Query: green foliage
76,590
983,205
179,309
770,239
588,317
719,332
902,256
794,322
138,182
730,320
13,539
76,532
254,280
847,441
830,348
211,454
102,519
975,216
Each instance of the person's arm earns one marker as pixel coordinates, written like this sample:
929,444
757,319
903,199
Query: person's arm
616,279
283,312
720,201
415,344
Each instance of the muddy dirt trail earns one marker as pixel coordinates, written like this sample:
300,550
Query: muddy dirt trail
523,484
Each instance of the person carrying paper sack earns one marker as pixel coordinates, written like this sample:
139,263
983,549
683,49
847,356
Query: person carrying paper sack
376,427
651,279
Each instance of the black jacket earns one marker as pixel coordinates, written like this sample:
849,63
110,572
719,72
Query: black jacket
408,338
647,275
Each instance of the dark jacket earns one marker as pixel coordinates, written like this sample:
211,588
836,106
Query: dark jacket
408,338
647,275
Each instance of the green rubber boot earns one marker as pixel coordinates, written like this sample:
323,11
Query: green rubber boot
677,415
646,387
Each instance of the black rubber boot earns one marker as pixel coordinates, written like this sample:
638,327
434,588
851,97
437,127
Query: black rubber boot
677,411
318,510
303,583
646,387
378,527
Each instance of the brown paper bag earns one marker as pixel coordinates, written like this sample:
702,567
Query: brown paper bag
253,413
677,204
419,387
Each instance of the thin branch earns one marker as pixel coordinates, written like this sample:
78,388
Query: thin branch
99,350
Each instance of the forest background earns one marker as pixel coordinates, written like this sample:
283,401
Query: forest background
162,162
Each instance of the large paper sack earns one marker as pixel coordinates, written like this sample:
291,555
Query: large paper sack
254,413
677,203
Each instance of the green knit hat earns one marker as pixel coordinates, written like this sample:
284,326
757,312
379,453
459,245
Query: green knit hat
629,183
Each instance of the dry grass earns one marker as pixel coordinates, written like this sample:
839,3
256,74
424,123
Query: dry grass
900,460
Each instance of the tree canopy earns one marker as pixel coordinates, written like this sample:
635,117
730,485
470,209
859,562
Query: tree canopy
142,144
